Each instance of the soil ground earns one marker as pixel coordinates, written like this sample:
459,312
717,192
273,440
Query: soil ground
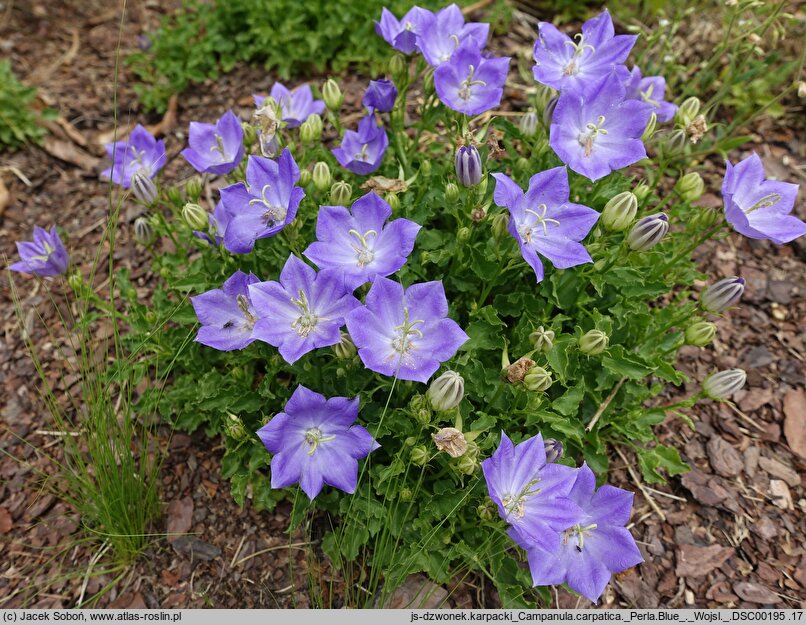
728,534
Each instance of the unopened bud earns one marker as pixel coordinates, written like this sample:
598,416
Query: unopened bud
516,372
467,464
345,348
620,211
528,124
648,232
174,196
341,193
700,333
802,89
542,340
690,187
446,392
419,455
703,219
675,142
537,380
554,449
398,69
193,188
143,231
487,511
425,168
332,95
305,177
307,133
393,200
451,193
722,294
235,428
543,95
548,112
687,111
451,441
500,226
321,177
522,164
468,166
720,386
76,282
650,127
249,134
593,342
641,192
406,494
428,83
195,216
144,188
317,126
463,234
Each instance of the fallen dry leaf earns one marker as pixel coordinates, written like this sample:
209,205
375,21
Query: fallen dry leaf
755,593
70,153
180,517
6,522
795,420
382,184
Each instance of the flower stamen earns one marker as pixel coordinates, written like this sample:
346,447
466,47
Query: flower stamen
274,214
365,255
464,92
306,322
586,138
243,304
579,47
542,220
403,344
313,437
766,202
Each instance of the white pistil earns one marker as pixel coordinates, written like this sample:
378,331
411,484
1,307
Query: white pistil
274,214
542,220
579,47
402,343
646,96
219,146
365,255
766,202
516,504
464,91
49,249
313,437
362,155
243,304
306,322
586,138
578,532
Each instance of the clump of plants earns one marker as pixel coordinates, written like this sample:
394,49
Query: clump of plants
433,331
18,119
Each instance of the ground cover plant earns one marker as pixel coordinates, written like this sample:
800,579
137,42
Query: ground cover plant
439,264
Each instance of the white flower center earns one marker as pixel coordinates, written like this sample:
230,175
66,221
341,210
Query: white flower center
274,214
576,535
586,138
365,255
306,322
313,437
572,68
528,229
403,343
468,83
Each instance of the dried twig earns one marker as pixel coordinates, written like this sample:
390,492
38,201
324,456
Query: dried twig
641,486
93,561
605,404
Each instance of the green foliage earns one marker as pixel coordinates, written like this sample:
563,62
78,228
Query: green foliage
17,117
288,37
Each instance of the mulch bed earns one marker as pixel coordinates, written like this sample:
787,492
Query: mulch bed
728,534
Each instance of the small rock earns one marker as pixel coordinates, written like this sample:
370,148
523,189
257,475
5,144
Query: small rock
195,548
725,460
780,495
694,561
755,593
758,357
418,592
180,517
780,470
795,421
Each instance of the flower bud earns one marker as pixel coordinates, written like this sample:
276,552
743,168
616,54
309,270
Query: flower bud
423,416
425,168
76,282
463,234
446,391
305,177
193,188
516,372
487,511
675,142
234,427
720,386
593,342
321,177
690,187
542,340
554,449
345,348
195,216
641,192
481,187
537,379
406,494
451,193
700,333
143,232
451,441
174,196
332,95
522,164
419,455
467,465
543,95
478,214
428,83
393,201
722,294
548,112
620,211
307,133
528,124
500,226
687,111
703,219
317,126
650,127
249,134
398,68
341,193
144,188
468,166
648,232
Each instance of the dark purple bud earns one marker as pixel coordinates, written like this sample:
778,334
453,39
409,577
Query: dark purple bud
143,42
554,450
648,232
722,294
380,96
468,166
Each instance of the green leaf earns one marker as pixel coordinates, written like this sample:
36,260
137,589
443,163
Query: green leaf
625,365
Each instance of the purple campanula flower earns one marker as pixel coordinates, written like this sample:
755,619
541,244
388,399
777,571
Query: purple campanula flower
593,547
215,148
601,131
759,208
403,34
651,89
569,65
140,152
360,242
542,220
297,105
45,256
362,152
404,332
315,441
530,493
442,33
470,83
263,206
217,228
227,315
303,311
380,96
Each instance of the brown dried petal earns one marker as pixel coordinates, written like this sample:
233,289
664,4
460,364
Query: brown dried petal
451,441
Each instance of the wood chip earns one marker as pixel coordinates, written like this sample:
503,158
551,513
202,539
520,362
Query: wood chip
695,561
755,593
780,495
780,470
70,153
795,421
724,458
